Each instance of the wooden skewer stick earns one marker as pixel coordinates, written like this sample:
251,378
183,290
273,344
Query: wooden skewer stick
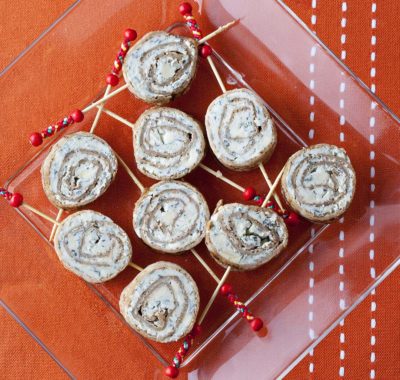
269,183
99,110
135,266
105,98
216,73
206,267
43,215
273,187
119,118
130,173
54,229
214,295
217,31
219,175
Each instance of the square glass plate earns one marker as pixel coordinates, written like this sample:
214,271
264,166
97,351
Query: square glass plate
273,59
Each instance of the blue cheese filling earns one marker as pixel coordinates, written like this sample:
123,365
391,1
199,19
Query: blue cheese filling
239,128
168,143
161,303
321,180
160,66
245,237
171,216
92,246
78,169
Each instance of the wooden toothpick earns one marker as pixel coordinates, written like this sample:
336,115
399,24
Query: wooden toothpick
219,175
216,74
217,31
40,213
130,173
99,110
269,183
135,266
206,267
105,98
273,187
214,295
119,118
54,228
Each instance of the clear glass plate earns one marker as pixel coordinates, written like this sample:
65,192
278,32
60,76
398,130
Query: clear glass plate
275,59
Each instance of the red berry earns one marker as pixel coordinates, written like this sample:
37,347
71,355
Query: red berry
256,324
171,372
249,193
77,116
16,200
185,9
35,139
293,219
196,330
226,289
112,79
205,51
130,34
271,204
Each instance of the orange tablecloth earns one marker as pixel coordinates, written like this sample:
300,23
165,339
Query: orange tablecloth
365,346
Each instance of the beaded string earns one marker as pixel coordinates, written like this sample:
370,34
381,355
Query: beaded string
77,116
185,9
113,78
16,200
255,322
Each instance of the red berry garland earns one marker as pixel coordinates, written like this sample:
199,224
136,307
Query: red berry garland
36,138
255,323
185,9
172,371
15,200
112,79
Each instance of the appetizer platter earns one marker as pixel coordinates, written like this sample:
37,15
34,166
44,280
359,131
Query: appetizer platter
151,231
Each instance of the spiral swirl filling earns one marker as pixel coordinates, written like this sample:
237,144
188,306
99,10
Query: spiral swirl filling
171,216
161,303
160,66
78,169
168,143
245,237
92,246
240,131
320,181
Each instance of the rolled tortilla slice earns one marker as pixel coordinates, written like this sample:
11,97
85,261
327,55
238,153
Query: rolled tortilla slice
171,216
319,182
161,303
245,237
78,169
168,143
160,66
92,246
240,130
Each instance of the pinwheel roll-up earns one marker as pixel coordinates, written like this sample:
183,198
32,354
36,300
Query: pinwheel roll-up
168,143
161,303
78,169
245,237
92,246
319,182
171,216
160,66
240,130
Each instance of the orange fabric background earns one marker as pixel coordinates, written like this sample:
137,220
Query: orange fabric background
21,357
